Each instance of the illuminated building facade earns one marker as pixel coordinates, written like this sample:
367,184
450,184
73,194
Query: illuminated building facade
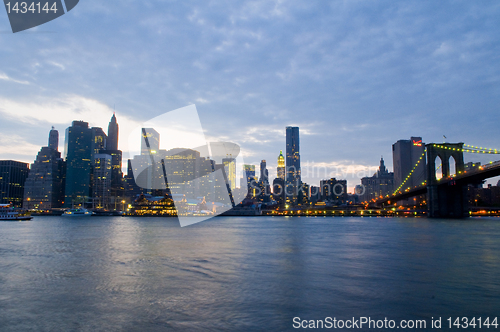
101,181
43,189
293,177
13,176
249,173
279,191
281,166
111,149
380,184
78,152
314,194
150,142
251,180
405,155
230,171
334,191
99,139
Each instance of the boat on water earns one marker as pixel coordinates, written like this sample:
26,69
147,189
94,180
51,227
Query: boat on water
10,213
80,212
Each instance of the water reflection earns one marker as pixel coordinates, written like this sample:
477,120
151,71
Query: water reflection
242,273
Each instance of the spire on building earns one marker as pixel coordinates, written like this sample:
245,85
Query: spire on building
112,142
382,169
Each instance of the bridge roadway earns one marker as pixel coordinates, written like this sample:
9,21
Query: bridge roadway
472,176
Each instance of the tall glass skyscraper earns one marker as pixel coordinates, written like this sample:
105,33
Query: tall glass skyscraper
293,178
79,154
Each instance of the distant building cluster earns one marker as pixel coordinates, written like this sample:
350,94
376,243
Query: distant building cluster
90,174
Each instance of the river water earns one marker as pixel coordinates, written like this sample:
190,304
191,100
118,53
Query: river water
243,274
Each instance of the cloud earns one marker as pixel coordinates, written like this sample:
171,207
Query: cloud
16,145
63,111
4,77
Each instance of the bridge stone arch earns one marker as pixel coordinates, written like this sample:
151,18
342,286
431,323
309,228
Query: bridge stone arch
445,200
444,151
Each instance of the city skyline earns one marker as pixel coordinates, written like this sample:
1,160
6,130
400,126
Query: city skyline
355,77
314,172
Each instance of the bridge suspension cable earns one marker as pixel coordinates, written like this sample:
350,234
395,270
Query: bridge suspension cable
410,174
469,149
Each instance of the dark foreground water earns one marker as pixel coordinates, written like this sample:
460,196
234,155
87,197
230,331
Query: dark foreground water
241,274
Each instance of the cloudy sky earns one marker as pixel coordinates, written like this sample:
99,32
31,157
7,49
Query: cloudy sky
355,76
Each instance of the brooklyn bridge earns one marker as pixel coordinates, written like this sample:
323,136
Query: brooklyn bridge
446,195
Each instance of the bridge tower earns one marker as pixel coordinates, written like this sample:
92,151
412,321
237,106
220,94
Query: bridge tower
446,199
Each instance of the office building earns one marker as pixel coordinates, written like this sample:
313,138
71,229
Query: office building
230,171
99,139
314,194
150,142
293,176
82,144
13,176
279,191
405,155
379,185
54,139
251,180
101,181
44,189
112,143
116,190
334,191
264,173
281,166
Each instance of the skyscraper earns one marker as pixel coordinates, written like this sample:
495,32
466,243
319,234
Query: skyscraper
249,172
112,143
116,189
249,177
380,184
79,152
405,155
264,174
293,178
281,166
99,139
13,175
150,142
101,181
54,139
43,189
230,170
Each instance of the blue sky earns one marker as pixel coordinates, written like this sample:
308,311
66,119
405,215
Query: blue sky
355,76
